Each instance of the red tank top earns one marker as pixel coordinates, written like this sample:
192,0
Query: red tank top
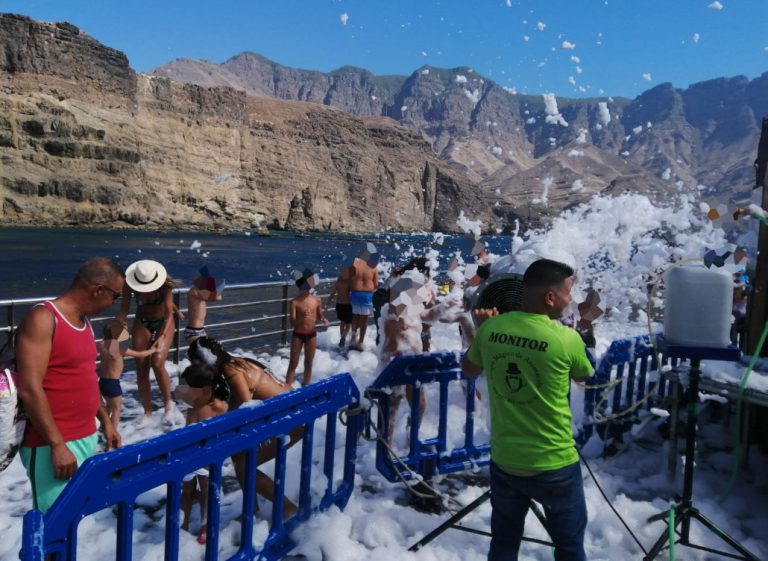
70,383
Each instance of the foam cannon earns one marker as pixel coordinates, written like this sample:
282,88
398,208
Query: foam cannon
503,289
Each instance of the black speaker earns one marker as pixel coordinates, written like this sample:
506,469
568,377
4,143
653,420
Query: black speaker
503,291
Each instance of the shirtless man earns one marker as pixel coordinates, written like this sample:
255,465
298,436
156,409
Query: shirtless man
340,293
203,291
364,282
306,311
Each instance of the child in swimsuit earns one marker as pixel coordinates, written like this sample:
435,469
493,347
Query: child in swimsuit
111,353
306,311
207,393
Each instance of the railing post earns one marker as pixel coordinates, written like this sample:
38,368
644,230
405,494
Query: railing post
177,330
286,316
32,541
10,325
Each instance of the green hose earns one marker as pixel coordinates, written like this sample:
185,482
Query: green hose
671,530
739,404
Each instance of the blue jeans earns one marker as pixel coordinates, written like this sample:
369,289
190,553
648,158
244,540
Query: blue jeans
560,492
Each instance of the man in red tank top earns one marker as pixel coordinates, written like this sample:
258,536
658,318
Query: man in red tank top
56,360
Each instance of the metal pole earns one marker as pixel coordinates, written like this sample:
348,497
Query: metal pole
177,329
284,336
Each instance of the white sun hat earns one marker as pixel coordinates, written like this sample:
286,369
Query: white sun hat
145,275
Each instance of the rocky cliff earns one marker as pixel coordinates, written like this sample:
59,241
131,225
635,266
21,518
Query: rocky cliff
665,139
84,140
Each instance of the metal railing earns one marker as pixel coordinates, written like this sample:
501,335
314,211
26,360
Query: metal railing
254,312
115,480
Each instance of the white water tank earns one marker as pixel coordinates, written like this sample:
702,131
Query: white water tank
698,306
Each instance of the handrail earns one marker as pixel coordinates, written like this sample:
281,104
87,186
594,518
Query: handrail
258,305
117,478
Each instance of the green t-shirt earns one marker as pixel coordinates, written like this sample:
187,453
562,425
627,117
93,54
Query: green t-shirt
529,360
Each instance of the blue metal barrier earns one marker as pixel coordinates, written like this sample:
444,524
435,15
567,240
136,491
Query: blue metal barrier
632,365
429,456
116,479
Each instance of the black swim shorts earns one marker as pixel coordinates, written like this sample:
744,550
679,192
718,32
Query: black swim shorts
344,313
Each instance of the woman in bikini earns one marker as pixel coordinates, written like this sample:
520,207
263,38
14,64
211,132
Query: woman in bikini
248,380
149,282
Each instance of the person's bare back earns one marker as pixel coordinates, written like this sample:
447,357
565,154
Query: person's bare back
344,285
365,279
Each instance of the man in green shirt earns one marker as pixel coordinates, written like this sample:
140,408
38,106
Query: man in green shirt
529,359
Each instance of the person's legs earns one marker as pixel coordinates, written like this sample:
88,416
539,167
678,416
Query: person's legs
394,405
363,326
309,356
343,332
114,406
141,341
158,359
507,516
202,482
187,496
293,362
561,493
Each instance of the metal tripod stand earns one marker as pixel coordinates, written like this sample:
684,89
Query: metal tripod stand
453,522
684,510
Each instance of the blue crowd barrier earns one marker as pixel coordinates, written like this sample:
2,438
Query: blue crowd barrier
426,456
115,479
624,375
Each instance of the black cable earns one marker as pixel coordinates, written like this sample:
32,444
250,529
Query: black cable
607,500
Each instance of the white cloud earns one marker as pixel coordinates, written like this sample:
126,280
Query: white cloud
582,138
638,129
666,174
568,45
577,186
575,153
526,38
509,3
696,37
541,26
497,151
424,53
715,5
344,18
575,59
550,108
424,71
647,77
461,79
572,80
579,70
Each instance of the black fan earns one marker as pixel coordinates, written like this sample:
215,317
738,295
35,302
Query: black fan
502,291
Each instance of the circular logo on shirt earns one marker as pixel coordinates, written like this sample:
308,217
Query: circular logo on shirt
514,378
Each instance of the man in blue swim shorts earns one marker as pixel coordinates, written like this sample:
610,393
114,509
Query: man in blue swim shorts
364,282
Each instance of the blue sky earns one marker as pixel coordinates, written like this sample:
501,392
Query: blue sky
573,48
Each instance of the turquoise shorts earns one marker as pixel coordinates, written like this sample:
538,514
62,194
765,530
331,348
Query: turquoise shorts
37,461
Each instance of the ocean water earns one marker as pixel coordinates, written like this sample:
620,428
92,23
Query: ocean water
42,262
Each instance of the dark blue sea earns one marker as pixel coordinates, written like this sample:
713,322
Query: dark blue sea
42,262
